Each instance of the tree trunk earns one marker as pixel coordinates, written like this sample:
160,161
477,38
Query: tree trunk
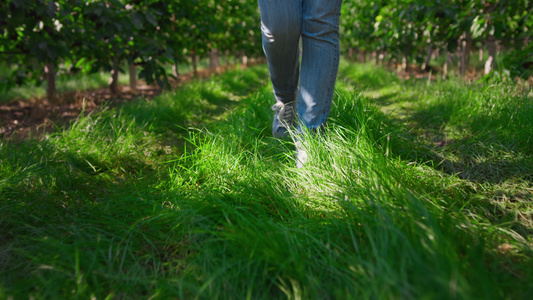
133,77
491,47
350,52
425,65
447,64
214,62
466,46
237,57
194,66
113,81
175,70
405,62
50,72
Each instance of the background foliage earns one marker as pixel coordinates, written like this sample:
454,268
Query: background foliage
91,36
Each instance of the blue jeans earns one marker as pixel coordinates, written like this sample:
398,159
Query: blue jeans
316,23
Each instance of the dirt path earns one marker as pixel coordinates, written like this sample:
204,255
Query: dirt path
32,118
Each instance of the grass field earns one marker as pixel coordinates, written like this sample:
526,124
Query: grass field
418,190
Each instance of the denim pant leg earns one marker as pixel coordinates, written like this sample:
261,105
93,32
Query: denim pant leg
320,60
281,22
316,22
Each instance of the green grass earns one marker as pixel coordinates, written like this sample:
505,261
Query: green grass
416,191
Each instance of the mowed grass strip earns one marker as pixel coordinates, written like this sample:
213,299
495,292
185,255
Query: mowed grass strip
189,196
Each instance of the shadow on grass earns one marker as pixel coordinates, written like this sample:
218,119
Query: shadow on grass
485,155
65,209
386,99
496,162
484,139
491,149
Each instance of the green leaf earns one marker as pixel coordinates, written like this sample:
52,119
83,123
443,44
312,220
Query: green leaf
137,20
117,3
478,27
81,62
52,9
21,3
151,18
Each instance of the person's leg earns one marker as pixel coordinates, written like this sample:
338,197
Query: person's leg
281,22
320,60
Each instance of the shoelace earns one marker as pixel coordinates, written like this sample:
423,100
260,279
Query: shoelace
285,112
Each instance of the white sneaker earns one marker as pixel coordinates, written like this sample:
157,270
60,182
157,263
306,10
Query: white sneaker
284,118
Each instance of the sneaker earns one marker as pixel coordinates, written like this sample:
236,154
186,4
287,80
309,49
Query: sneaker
284,118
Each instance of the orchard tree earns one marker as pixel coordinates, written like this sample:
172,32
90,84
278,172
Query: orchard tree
93,35
36,35
358,27
412,29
